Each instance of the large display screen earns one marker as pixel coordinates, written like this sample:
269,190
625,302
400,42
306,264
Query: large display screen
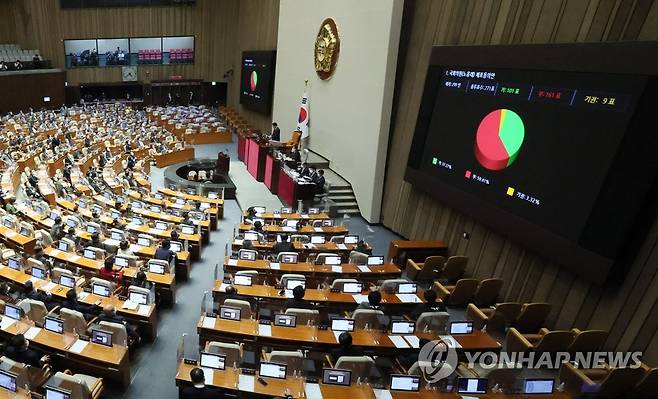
257,80
530,152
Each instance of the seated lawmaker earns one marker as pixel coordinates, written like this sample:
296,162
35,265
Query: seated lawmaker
431,305
298,301
109,314
28,292
164,252
19,351
346,348
108,273
71,302
284,245
319,181
198,390
374,300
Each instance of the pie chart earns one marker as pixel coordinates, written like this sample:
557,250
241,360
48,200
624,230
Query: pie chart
253,80
498,139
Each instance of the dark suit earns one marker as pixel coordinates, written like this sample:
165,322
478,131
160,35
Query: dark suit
428,307
350,351
276,134
298,304
286,246
199,393
165,254
26,356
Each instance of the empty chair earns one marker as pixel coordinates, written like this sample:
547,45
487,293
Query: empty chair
433,321
502,374
290,276
532,317
44,237
81,386
487,291
255,277
26,375
244,306
74,321
247,254
454,268
369,319
34,310
648,385
600,382
302,238
7,253
545,341
322,256
233,352
99,281
338,283
426,271
119,333
142,291
294,360
459,294
361,366
337,239
58,271
309,317
495,318
390,286
587,340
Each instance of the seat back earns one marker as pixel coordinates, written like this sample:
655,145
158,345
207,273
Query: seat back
620,381
555,341
58,271
454,268
462,293
305,317
505,376
358,258
431,268
21,370
338,283
361,366
74,321
337,239
244,306
373,319
253,253
503,315
648,386
588,341
291,276
34,310
105,283
532,317
255,276
119,333
322,255
303,238
167,265
487,291
433,321
233,352
280,255
46,239
143,291
294,360
391,285
78,388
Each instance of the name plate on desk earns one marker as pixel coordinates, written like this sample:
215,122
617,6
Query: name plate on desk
209,322
237,242
32,332
78,346
383,394
74,258
232,262
246,383
275,266
398,341
342,247
6,322
408,298
337,269
364,269
265,330
313,391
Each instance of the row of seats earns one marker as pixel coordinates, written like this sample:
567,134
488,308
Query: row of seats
13,52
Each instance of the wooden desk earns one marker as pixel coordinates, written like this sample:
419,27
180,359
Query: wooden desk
194,239
401,250
174,157
306,229
302,249
17,241
278,216
290,190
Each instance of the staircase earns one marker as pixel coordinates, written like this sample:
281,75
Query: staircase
341,196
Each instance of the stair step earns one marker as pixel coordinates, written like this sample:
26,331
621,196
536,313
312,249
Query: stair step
343,200
340,190
349,211
351,204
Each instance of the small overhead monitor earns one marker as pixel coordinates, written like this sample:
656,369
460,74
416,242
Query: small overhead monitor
13,312
407,288
327,223
115,214
161,226
402,327
91,229
54,215
89,254
176,246
472,385
352,288
101,290
54,324
259,209
375,260
137,221
342,324
538,386
332,260
187,229
289,258
116,235
408,383
156,268
38,272
71,222
8,381
246,255
138,297
292,223
212,195
46,99
461,327
101,337
286,210
351,239
229,313
313,211
337,377
213,361
63,246
56,393
242,279
82,203
66,280
24,231
292,283
251,236
318,240
144,241
15,263
272,370
121,261
285,320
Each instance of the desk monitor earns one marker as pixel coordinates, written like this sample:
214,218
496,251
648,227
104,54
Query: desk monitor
342,324
24,231
101,290
352,288
285,320
336,377
176,246
286,210
538,386
56,393
246,255
91,229
289,258
116,235
138,297
15,263
213,361
332,260
260,209
107,195
54,215
187,229
8,381
13,312
351,239
242,279
66,280
461,327
89,254
136,221
401,382
212,195
158,196
472,385
251,236
101,337
292,283
69,222
327,223
161,226
402,327
272,370
115,214
121,261
180,201
204,205
136,205
54,324
156,268
98,209
407,288
375,260
82,203
229,313
292,223
313,211
318,240
176,212
8,223
144,241
63,246
155,208
38,272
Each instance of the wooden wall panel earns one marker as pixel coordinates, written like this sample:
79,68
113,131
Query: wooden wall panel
628,309
7,31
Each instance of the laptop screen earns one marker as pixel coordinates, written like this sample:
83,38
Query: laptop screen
101,290
156,268
89,254
143,241
341,324
461,327
138,297
213,361
336,377
332,260
155,208
66,280
8,381
55,393
247,255
121,261
472,385
101,337
161,225
407,288
538,386
403,327
285,320
212,195
352,288
313,211
408,383
351,239
186,229
327,223
54,325
13,312
116,235
286,210
292,283
251,236
176,246
91,229
69,222
272,370
291,223
38,272
63,246
241,279
317,240
115,214
228,313
375,260
14,263
289,258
